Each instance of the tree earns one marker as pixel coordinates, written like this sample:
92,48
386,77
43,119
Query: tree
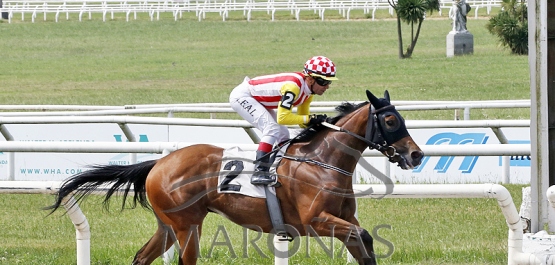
411,12
510,25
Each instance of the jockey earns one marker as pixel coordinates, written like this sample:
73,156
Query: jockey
267,103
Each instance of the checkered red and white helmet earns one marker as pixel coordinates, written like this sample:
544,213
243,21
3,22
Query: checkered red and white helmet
320,66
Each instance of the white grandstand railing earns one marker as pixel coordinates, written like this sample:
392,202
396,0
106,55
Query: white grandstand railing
154,7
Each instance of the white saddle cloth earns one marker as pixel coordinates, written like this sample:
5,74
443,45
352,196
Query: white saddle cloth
235,173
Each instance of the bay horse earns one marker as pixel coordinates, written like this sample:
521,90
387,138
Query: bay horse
315,195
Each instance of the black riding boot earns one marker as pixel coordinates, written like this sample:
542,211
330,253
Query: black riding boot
261,175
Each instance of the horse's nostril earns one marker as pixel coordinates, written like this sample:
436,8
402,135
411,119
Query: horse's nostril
417,155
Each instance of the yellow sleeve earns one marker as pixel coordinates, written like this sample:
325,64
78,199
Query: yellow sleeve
285,115
304,109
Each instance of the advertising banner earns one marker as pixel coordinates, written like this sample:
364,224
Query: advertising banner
444,169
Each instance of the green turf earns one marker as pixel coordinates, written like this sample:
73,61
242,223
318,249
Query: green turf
416,231
144,62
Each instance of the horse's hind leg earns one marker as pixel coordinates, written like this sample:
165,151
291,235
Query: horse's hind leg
160,242
189,242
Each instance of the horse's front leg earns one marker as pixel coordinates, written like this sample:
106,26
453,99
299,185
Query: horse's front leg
357,240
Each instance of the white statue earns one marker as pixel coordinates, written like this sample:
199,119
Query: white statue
458,14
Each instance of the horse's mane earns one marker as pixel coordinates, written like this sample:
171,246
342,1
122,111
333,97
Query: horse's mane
344,109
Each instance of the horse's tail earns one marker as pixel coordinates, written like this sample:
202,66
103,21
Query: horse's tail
115,176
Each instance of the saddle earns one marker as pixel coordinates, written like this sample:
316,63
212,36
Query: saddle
234,177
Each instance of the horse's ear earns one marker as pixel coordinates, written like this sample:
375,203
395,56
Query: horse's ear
386,96
376,102
373,99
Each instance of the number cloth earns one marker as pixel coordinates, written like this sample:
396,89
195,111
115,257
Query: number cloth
236,170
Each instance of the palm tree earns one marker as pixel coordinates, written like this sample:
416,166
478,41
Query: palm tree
411,12
510,25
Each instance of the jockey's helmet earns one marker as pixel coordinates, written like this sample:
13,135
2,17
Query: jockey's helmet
320,66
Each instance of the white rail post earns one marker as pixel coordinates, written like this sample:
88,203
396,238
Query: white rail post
131,138
281,245
11,155
506,160
82,230
466,113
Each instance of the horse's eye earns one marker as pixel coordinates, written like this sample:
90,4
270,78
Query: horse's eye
390,121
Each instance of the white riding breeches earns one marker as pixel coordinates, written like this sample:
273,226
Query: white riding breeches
257,115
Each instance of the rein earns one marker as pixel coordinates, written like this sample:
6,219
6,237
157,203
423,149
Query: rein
372,133
318,163
373,138
371,145
285,143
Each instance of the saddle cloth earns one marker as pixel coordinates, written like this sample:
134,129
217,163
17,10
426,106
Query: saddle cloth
236,170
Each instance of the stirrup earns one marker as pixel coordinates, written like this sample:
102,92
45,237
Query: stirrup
263,179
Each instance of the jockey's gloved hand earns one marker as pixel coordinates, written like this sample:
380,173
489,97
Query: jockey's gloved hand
317,119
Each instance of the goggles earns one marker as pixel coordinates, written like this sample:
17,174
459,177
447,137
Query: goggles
321,81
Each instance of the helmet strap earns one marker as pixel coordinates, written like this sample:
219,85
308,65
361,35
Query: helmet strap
312,85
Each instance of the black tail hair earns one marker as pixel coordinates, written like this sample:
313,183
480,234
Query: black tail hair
117,176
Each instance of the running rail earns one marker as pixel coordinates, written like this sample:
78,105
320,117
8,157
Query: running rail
82,228
495,191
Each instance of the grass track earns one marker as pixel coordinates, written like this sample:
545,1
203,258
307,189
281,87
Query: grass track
422,231
143,62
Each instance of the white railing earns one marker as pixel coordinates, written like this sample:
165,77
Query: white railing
516,255
495,191
213,108
80,114
162,147
485,103
82,229
154,7
12,145
176,8
406,191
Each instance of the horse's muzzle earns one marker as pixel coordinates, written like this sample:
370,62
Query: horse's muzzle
409,161
416,157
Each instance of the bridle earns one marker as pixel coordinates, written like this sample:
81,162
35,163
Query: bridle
376,136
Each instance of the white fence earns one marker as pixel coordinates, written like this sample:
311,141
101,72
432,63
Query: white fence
90,115
69,114
13,145
213,108
153,8
501,194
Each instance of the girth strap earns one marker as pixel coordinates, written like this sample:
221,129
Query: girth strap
275,212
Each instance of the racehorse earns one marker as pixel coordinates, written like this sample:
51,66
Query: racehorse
315,195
